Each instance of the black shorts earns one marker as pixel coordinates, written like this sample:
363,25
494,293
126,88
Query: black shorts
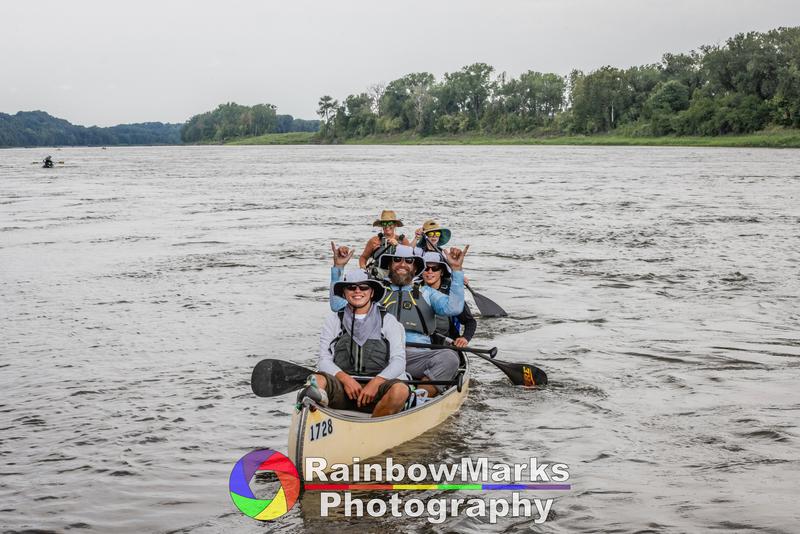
338,399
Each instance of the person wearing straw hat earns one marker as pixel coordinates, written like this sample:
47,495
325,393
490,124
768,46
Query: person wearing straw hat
437,275
431,236
416,307
384,242
362,340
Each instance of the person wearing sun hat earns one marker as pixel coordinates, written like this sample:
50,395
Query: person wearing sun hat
362,340
416,307
437,275
431,236
384,242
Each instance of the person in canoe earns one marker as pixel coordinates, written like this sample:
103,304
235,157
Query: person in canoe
415,307
431,236
48,162
360,339
437,275
384,242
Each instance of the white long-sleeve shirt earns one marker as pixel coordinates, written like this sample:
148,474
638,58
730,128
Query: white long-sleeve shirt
393,331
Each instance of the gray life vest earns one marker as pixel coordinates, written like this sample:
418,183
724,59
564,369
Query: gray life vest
369,360
411,310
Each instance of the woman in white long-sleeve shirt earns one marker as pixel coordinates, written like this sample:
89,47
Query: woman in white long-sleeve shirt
360,340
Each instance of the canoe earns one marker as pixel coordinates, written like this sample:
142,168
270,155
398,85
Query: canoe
341,435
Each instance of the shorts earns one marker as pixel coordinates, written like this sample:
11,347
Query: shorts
338,399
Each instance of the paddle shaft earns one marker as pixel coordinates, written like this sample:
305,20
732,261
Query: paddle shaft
520,374
271,378
491,352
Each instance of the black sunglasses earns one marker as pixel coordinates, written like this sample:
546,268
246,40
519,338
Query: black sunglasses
397,259
433,268
360,287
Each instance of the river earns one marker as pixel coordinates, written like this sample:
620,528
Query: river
658,287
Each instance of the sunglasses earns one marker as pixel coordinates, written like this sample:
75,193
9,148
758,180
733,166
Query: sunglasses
433,234
360,287
407,260
387,223
433,268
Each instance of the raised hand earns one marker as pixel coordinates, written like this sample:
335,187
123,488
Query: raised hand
455,257
341,255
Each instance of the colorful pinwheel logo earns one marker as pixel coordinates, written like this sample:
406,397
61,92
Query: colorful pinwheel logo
264,460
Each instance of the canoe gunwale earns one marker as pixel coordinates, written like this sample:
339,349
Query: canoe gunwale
452,395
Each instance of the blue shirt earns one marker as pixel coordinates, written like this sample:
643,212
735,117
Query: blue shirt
452,304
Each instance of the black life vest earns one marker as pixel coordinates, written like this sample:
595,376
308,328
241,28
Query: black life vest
368,360
443,321
411,310
384,247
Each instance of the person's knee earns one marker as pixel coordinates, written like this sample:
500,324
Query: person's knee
449,362
398,393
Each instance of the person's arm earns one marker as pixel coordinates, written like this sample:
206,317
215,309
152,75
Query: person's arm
396,336
330,329
337,302
370,247
470,324
452,304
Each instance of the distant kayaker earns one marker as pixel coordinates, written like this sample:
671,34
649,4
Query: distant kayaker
361,339
383,243
437,276
48,162
431,236
415,307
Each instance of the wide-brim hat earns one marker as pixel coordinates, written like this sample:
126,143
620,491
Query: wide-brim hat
359,276
388,216
403,251
435,257
432,226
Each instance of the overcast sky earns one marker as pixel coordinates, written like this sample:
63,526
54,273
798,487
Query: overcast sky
107,62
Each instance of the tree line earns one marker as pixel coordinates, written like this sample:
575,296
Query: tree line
750,82
231,120
37,128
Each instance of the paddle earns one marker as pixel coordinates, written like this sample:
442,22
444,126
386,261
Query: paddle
487,306
520,374
275,377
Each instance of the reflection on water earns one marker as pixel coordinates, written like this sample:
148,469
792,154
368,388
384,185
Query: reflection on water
657,286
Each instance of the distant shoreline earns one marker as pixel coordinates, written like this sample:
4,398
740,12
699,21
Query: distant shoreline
779,138
776,138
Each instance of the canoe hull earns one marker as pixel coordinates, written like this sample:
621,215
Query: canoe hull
340,436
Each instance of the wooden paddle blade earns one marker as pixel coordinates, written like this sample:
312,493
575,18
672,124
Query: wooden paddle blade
522,374
275,377
487,306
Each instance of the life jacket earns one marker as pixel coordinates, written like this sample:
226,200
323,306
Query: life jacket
411,310
443,322
384,247
369,360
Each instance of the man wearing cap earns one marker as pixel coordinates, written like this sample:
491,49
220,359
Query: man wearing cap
361,340
384,242
416,308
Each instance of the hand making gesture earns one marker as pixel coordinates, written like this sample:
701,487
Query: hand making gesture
455,257
341,255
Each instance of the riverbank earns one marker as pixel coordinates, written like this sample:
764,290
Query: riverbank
779,138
